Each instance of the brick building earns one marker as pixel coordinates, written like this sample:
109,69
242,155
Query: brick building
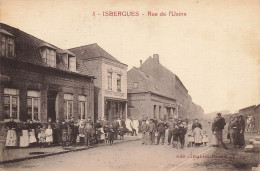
111,83
39,80
153,90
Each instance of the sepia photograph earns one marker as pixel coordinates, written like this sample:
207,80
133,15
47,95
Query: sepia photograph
129,85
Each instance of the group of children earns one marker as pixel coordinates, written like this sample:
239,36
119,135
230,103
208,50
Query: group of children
191,138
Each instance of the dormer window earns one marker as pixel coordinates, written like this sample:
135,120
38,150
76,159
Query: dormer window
48,54
69,60
6,44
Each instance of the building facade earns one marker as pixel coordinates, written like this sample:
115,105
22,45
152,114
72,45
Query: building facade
39,80
111,83
161,83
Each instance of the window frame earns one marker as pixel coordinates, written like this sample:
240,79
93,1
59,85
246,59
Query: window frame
33,95
110,78
119,81
13,93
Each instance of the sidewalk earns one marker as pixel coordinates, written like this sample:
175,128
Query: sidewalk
20,154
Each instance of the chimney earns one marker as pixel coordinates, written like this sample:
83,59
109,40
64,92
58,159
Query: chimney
141,63
156,57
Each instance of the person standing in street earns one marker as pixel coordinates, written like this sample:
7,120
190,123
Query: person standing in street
162,126
115,128
221,124
135,126
170,126
151,131
144,130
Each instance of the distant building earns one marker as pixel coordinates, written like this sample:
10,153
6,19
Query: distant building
111,82
154,91
39,80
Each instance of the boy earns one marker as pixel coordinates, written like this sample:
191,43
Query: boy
182,132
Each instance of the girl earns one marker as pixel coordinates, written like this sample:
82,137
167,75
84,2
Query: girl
41,137
191,139
49,135
32,138
24,138
205,138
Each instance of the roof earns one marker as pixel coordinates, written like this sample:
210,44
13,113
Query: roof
92,51
146,83
5,32
27,48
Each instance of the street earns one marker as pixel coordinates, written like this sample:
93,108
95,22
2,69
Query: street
125,156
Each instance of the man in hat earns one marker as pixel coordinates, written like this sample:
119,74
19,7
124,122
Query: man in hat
144,130
151,131
162,126
115,125
171,126
220,124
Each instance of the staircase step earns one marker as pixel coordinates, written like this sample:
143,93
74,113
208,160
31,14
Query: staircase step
257,138
256,143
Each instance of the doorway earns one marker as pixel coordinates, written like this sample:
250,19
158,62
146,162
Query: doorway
51,104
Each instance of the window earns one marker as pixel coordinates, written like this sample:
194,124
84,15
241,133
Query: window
160,114
11,103
6,45
118,82
109,80
72,63
154,110
135,85
33,105
82,106
49,56
68,106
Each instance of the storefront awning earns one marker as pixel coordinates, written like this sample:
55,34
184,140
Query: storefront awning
115,99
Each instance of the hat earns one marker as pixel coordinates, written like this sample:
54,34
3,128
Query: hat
219,114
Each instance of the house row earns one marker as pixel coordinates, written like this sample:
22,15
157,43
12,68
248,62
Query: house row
39,80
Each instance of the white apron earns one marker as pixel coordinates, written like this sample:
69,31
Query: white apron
11,138
24,139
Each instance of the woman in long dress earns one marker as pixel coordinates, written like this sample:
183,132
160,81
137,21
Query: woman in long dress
238,132
31,128
49,135
128,124
24,138
196,127
11,138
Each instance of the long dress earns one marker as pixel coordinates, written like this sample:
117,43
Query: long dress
136,125
49,136
238,133
197,137
11,138
24,139
128,124
32,138
214,137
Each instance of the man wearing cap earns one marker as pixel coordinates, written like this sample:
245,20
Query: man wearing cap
171,126
220,124
144,130
162,126
151,130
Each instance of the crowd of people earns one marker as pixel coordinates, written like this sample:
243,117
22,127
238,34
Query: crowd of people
70,133
180,132
153,131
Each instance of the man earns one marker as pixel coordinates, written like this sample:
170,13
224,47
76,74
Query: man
221,125
155,122
151,131
71,131
144,130
170,126
162,126
135,126
90,120
115,125
88,131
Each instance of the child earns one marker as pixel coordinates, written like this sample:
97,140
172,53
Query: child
41,137
64,134
81,133
205,138
49,135
110,135
121,132
191,139
182,132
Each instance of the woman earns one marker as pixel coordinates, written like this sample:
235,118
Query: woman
129,124
24,138
196,127
238,132
32,138
11,138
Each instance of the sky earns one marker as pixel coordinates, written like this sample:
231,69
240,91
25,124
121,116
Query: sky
214,50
